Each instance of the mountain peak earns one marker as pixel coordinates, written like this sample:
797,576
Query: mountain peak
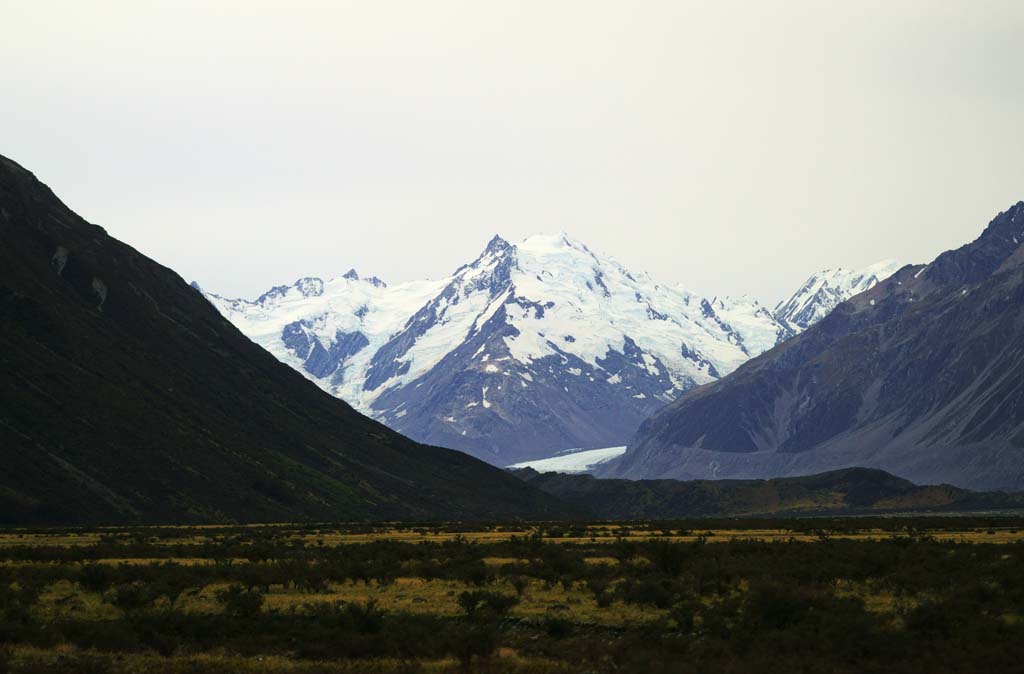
375,281
1015,210
825,290
976,261
497,245
517,353
310,286
882,269
1008,224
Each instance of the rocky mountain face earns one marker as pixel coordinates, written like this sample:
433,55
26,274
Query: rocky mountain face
126,397
922,376
529,349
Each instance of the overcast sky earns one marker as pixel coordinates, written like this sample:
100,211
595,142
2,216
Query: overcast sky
732,147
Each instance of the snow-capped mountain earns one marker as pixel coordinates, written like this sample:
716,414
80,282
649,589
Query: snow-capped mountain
529,349
824,291
329,330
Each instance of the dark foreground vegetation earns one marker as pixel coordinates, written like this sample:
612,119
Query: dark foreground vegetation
838,595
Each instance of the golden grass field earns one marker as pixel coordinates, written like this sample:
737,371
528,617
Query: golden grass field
595,533
621,554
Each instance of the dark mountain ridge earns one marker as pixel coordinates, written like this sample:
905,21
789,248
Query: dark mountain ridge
126,397
851,491
922,376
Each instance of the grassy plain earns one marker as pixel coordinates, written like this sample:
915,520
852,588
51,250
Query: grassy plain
853,594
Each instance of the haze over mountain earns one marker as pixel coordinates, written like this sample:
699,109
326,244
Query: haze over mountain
529,349
126,397
922,376
734,146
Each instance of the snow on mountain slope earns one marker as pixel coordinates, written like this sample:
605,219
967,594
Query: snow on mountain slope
822,292
529,349
560,348
328,330
752,322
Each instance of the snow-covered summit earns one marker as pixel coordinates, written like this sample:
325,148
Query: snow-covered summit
822,292
530,348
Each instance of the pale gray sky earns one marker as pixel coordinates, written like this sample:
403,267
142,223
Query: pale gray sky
733,147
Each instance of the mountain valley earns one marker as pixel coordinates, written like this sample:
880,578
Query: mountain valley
528,350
